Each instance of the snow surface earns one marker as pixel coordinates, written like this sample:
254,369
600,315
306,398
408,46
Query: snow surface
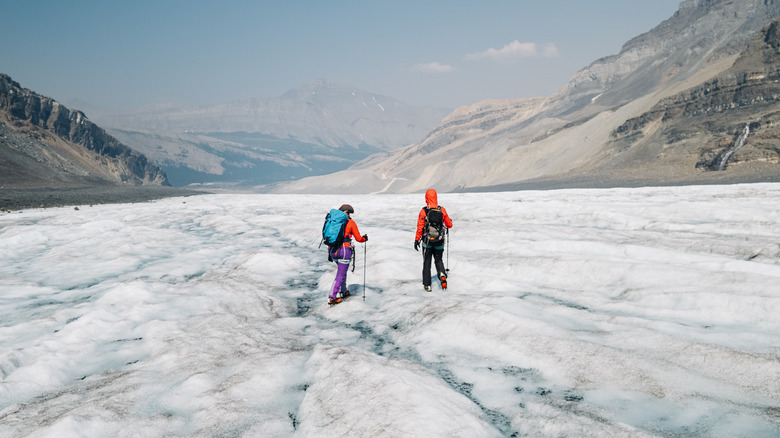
620,312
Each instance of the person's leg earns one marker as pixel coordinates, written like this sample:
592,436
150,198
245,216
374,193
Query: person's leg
437,256
426,271
441,272
342,257
345,264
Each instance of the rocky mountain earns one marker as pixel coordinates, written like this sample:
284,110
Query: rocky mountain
318,128
732,121
44,144
666,110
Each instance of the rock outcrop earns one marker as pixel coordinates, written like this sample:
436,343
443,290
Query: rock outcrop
44,144
732,120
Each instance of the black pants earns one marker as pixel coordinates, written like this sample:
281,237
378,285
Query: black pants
436,253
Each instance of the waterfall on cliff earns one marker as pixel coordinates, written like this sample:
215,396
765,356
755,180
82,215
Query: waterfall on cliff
738,144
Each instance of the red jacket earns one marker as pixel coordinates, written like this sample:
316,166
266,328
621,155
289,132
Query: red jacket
351,230
431,199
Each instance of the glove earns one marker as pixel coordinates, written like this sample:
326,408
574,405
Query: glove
365,237
330,259
416,245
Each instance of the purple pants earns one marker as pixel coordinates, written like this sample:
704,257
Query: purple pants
342,256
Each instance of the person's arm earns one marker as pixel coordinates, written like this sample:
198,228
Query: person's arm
420,225
447,220
352,230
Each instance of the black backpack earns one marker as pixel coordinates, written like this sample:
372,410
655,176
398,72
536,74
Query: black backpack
434,231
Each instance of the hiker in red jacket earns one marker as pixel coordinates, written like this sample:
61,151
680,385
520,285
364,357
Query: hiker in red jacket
342,255
431,235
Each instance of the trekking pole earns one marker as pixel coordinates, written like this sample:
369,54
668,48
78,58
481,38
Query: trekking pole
365,251
447,268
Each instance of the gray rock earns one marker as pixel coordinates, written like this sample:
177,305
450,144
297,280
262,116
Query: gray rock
45,144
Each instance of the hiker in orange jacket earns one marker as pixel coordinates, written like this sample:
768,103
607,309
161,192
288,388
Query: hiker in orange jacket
430,234
342,255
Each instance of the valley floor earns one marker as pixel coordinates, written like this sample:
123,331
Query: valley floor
18,199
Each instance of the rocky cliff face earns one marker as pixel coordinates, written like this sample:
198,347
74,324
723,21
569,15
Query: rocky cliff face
43,143
730,121
698,34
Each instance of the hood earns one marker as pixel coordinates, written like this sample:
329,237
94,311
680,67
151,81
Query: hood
431,198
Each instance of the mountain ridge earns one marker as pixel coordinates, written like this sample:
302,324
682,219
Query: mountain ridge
317,128
319,112
45,144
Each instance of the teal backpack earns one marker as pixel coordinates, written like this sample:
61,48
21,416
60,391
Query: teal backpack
333,228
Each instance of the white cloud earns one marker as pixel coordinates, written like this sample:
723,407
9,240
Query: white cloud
550,51
433,67
515,50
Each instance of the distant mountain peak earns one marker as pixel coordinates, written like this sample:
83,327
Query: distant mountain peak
319,112
325,92
306,90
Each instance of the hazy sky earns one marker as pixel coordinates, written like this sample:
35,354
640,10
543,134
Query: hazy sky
125,54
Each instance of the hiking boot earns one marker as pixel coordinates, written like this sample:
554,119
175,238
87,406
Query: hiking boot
333,300
443,279
427,288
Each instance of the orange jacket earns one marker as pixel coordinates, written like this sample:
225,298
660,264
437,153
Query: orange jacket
431,201
351,230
